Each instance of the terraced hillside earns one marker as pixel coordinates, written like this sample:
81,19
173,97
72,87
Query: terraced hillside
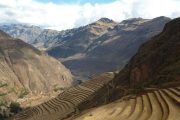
154,104
151,80
159,104
70,102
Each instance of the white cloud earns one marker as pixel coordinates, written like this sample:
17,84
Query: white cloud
64,16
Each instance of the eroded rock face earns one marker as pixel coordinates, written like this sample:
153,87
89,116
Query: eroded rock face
157,61
24,68
139,74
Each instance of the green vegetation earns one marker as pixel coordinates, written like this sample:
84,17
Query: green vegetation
3,94
15,107
23,93
3,85
4,114
58,89
3,103
7,110
1,58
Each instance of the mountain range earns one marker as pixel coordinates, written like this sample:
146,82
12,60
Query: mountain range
146,88
90,50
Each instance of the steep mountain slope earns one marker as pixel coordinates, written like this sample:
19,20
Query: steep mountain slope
146,95
61,44
47,38
91,49
25,32
78,40
24,69
120,42
30,34
158,60
42,41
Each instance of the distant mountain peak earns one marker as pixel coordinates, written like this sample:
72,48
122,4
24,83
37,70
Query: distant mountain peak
162,18
27,26
105,20
100,26
133,20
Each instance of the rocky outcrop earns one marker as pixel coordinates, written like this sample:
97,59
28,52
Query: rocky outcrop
157,61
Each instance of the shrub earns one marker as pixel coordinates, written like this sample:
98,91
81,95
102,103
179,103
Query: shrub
23,93
15,107
58,89
3,94
3,85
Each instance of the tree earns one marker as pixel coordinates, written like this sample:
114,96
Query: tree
15,107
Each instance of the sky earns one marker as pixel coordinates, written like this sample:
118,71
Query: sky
67,14
76,1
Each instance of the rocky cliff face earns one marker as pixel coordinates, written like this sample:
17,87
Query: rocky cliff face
23,68
157,61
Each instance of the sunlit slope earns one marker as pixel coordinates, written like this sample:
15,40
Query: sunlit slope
25,68
70,102
160,104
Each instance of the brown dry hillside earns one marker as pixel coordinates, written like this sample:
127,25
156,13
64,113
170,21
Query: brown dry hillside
147,88
71,101
159,104
26,70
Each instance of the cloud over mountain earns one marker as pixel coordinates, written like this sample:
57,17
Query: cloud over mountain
64,16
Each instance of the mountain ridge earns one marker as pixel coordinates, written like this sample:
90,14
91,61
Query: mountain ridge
26,70
89,50
98,57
